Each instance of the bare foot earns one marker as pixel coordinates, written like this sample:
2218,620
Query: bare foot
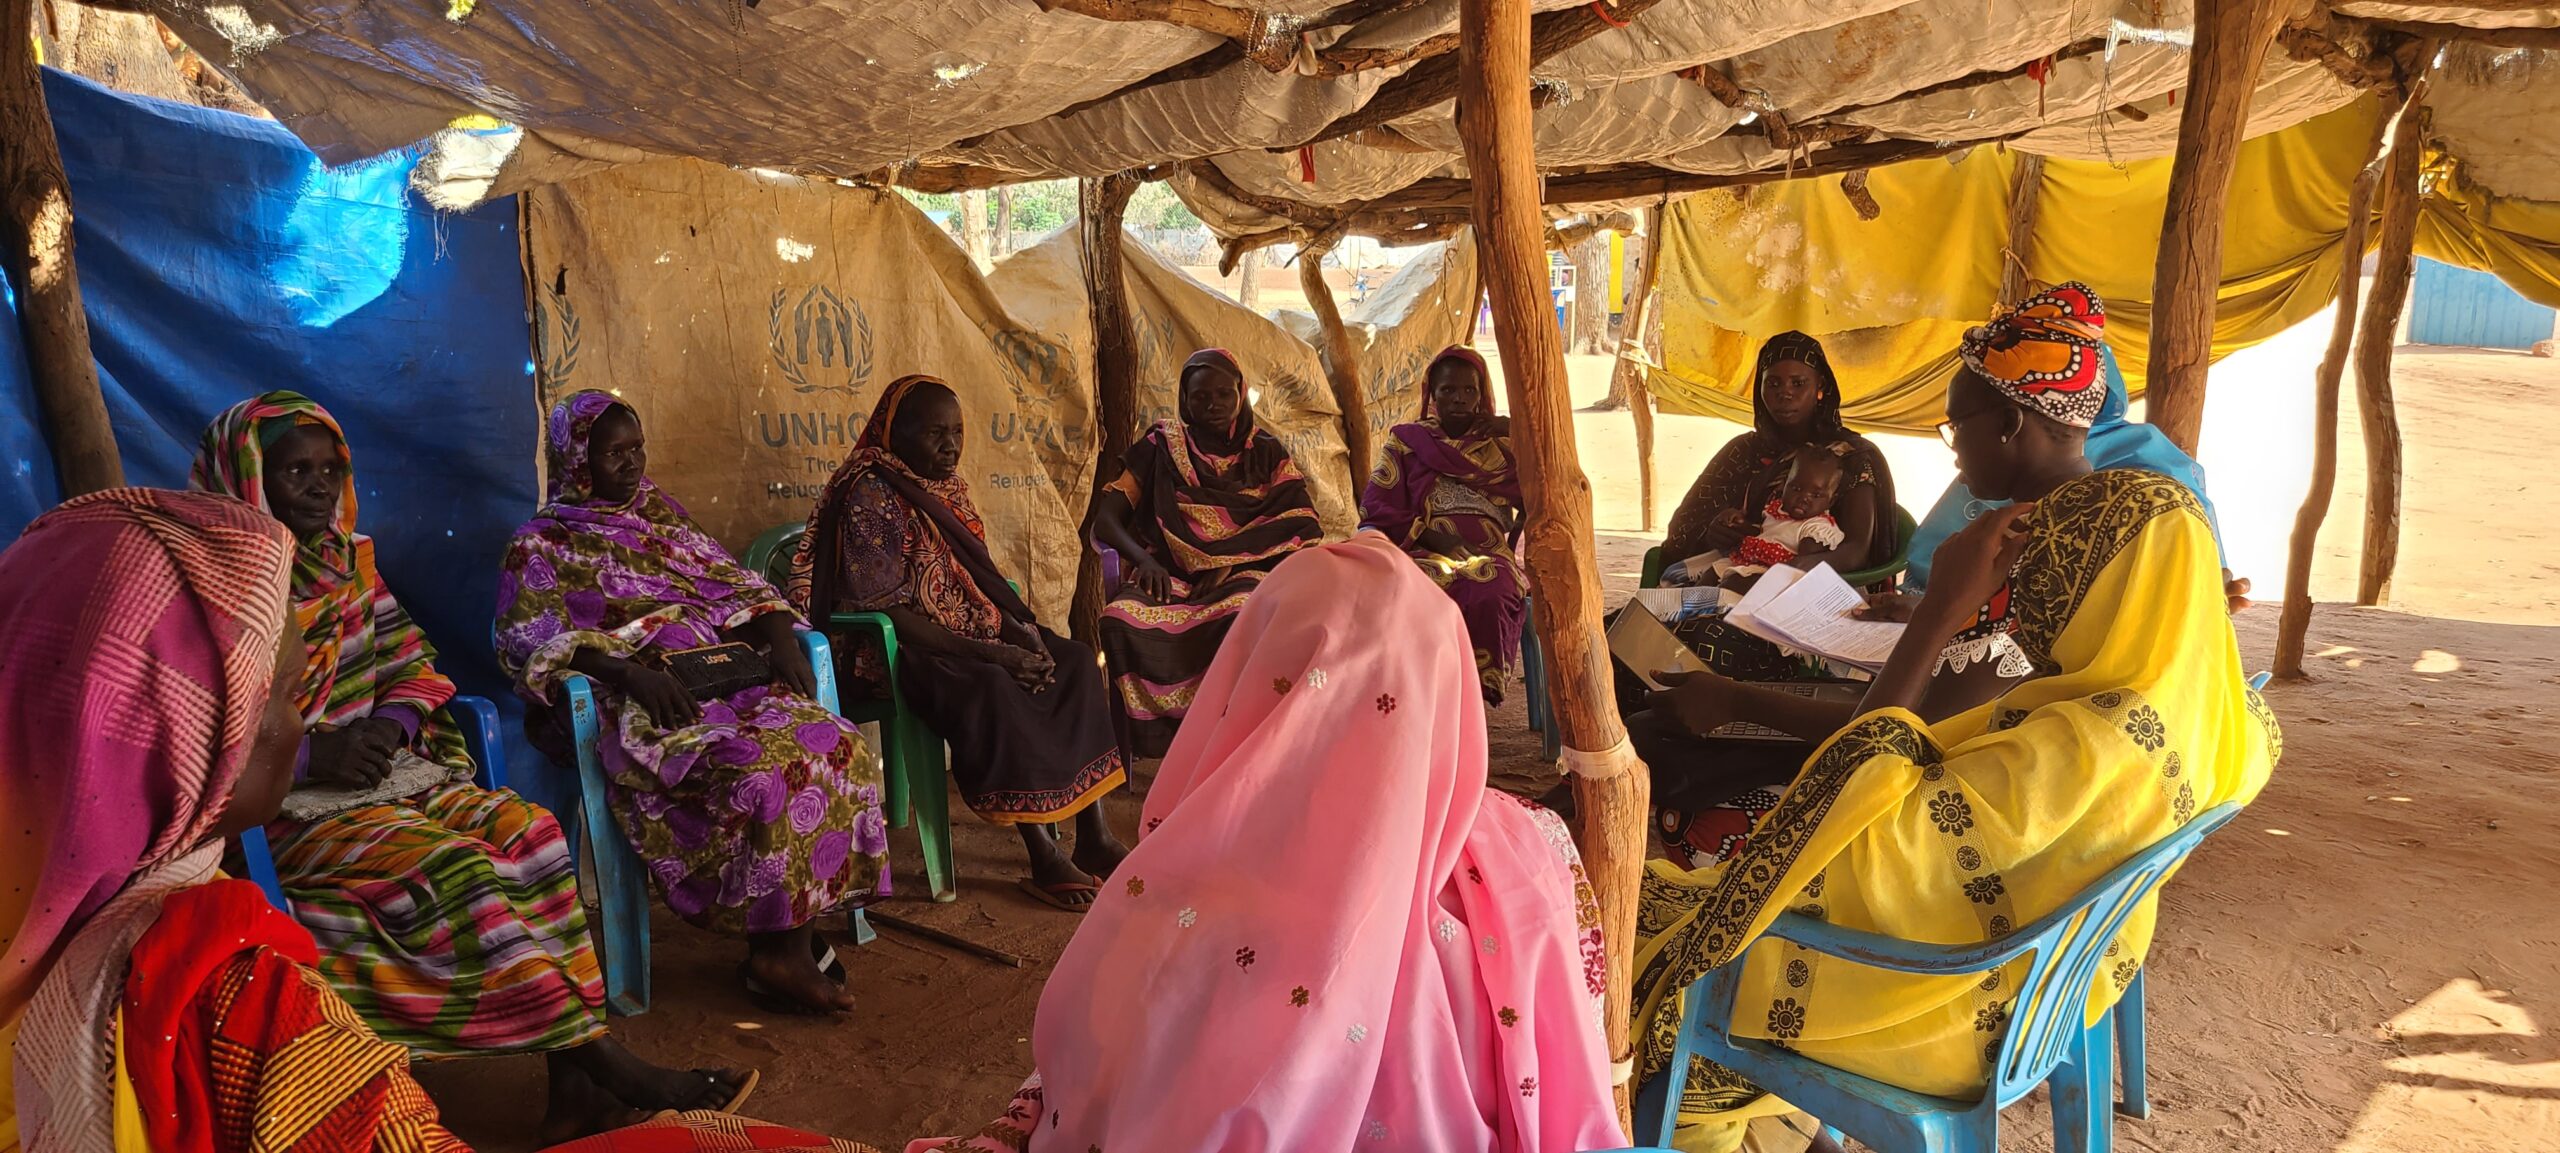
780,969
578,1108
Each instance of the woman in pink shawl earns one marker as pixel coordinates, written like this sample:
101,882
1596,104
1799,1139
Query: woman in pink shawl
1448,490
1331,935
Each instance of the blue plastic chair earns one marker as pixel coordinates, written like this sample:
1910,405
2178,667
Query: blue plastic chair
2047,1044
622,885
478,717
1533,677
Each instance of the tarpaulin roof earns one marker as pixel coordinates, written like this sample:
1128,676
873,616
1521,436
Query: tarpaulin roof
1293,102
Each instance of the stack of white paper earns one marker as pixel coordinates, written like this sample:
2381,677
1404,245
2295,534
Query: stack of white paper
1809,612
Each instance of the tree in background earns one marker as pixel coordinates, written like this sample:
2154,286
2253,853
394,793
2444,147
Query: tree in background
1590,294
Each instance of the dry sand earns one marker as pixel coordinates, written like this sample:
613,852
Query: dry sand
2369,959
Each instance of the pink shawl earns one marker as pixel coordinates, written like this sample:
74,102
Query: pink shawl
140,631
1332,935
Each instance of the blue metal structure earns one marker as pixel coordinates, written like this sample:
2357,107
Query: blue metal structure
2456,306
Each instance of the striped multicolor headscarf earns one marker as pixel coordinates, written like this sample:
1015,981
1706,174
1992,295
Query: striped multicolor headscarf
2045,354
141,628
364,651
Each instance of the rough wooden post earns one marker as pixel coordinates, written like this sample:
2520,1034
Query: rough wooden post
1341,366
2295,625
1003,237
1494,124
1635,340
2232,37
2026,191
37,249
1102,203
973,227
2393,264
1249,282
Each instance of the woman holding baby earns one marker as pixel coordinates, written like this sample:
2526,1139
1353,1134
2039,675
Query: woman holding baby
1795,415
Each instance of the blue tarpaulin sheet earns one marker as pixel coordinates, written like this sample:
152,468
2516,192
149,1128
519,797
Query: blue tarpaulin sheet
219,258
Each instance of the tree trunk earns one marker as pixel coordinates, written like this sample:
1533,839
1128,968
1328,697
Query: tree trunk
37,250
973,227
1249,282
2393,265
1590,293
2232,37
1638,273
1004,220
1341,366
2295,624
1102,204
1610,785
2025,191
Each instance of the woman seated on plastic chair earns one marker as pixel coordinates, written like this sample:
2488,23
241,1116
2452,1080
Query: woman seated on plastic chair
447,914
1447,489
1207,504
1333,935
1958,807
147,1004
1024,709
753,809
1795,404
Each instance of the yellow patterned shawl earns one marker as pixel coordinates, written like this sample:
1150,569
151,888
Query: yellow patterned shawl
1962,831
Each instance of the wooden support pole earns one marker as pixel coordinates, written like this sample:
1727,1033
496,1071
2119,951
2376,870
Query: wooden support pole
1341,366
2232,37
1102,204
2026,189
1638,338
37,250
2295,625
1611,801
2393,265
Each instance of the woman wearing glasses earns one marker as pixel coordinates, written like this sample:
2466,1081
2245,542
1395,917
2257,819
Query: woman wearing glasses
1795,403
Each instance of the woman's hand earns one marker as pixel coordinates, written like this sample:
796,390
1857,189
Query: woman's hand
791,668
1034,671
1443,542
1726,530
1151,578
1895,607
359,754
1698,702
1972,565
662,696
2235,591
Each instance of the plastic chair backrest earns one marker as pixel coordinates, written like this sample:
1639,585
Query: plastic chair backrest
771,552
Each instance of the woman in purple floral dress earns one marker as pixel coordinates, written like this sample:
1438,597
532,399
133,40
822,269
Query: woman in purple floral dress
754,812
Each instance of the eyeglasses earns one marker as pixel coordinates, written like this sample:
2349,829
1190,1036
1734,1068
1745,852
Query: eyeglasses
1947,427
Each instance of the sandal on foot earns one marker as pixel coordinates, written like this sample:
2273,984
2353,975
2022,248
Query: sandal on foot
1055,896
746,1089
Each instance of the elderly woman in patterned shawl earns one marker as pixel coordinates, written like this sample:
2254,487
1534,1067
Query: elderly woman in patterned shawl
754,810
448,918
1447,489
1024,709
1795,403
1957,808
1207,504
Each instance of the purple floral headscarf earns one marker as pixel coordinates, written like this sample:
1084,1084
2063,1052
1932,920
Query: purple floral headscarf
624,578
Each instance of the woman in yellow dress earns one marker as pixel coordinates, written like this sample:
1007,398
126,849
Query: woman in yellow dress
2099,704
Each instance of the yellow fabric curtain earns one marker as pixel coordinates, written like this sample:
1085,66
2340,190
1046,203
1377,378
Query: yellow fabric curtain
1889,297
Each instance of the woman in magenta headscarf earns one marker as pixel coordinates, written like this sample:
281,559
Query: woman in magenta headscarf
1331,935
1447,490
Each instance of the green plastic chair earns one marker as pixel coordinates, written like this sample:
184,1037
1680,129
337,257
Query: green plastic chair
1904,528
912,756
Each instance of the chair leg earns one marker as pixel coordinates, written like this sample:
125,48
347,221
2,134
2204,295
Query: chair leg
893,769
929,792
2083,1122
2136,1102
863,933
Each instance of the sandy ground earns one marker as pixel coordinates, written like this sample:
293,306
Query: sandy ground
2369,959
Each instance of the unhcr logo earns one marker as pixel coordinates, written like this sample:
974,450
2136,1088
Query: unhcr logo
821,342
